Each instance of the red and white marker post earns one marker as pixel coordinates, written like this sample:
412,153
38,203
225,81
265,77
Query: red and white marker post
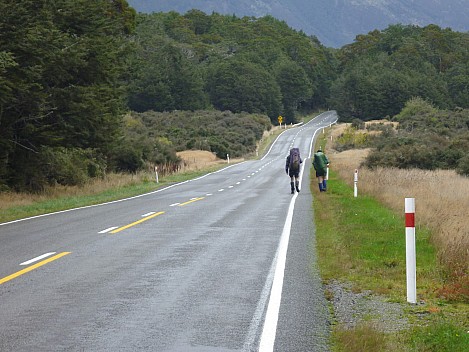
411,268
355,184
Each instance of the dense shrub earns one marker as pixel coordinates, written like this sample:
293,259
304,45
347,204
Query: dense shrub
59,165
128,158
463,165
426,138
155,137
351,138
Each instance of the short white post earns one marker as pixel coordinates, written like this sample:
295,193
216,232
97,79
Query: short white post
228,158
156,174
355,184
327,173
411,270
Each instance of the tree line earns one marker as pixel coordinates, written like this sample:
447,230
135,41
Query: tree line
382,70
199,61
90,86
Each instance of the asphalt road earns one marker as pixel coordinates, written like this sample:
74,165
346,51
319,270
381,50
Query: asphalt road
224,262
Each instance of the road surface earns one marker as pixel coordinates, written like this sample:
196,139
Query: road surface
224,262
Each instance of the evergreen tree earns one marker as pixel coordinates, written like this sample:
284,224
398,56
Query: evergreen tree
63,65
242,86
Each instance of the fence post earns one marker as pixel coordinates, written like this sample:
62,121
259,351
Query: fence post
355,184
410,250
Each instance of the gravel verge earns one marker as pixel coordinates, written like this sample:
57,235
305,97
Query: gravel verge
352,308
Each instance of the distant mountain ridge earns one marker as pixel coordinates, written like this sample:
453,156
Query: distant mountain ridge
334,22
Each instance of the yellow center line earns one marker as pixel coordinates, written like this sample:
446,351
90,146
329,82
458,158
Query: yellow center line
136,222
191,201
32,267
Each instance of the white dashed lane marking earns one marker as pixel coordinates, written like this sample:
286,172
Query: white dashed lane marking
37,258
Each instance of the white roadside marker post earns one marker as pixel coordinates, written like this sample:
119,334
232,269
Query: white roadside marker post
355,184
411,270
156,173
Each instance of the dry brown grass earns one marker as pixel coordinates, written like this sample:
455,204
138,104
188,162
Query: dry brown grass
382,122
192,160
200,159
9,200
441,198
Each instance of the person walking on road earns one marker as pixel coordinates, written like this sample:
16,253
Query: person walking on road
320,164
292,168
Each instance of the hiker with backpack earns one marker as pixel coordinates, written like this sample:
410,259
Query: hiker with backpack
292,168
320,164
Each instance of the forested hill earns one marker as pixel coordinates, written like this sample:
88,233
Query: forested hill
85,90
334,22
69,73
194,61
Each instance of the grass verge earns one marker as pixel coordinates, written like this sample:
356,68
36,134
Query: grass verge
362,242
367,242
140,185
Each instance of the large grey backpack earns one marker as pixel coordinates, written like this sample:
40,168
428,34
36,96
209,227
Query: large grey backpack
294,159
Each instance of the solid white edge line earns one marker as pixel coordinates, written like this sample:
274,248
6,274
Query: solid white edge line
256,319
269,331
38,258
